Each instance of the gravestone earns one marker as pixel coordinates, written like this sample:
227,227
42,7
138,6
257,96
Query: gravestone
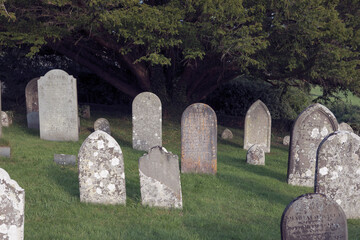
255,155
103,125
12,205
64,159
199,139
58,108
313,216
286,140
6,121
5,151
146,121
310,128
160,179
227,134
32,104
101,170
0,108
338,171
257,128
345,127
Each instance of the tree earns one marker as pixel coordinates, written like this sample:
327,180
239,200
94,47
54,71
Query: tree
183,50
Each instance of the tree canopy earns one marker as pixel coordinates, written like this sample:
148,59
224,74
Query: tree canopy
183,50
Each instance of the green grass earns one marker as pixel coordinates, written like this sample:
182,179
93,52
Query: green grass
352,99
240,202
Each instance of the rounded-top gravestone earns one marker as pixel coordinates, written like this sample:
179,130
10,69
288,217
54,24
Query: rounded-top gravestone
227,134
103,125
286,140
32,104
345,127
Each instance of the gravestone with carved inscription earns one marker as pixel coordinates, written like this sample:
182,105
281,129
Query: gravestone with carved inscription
12,205
32,104
103,125
338,171
146,121
310,128
313,216
58,107
257,128
345,127
199,139
160,179
101,170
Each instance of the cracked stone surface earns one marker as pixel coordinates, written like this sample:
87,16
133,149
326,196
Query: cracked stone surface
227,134
12,205
313,216
101,170
338,171
345,127
255,155
32,104
160,179
310,128
199,139
257,129
103,125
146,121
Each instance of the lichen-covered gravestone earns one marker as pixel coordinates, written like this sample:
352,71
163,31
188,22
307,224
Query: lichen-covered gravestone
255,155
147,121
257,128
101,170
103,125
286,140
160,179
6,120
313,216
12,205
338,171
345,127
32,104
199,139
310,128
58,107
227,134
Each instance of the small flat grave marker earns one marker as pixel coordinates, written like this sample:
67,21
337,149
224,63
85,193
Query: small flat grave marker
64,159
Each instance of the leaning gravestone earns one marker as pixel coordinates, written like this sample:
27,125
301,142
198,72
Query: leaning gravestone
12,205
227,134
338,171
345,127
255,155
313,216
160,179
103,125
101,170
58,108
199,139
147,121
32,104
310,128
257,128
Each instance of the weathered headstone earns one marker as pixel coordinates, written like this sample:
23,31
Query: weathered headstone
313,216
199,139
84,111
58,108
160,179
286,140
255,155
338,171
227,134
345,127
310,128
101,170
5,151
146,121
257,128
6,121
32,104
64,159
12,205
103,125
0,108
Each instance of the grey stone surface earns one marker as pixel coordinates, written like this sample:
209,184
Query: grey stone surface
6,120
103,125
12,206
58,108
84,111
199,139
227,134
160,179
345,127
5,151
32,104
0,108
310,128
146,121
338,171
64,159
257,129
313,216
255,155
286,140
101,170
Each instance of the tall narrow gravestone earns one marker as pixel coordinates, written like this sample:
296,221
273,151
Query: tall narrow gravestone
313,216
12,206
58,107
199,139
338,171
32,104
160,179
101,170
147,121
257,128
310,128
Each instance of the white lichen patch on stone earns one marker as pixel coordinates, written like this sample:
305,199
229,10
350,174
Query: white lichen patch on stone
324,171
315,133
115,161
308,173
324,132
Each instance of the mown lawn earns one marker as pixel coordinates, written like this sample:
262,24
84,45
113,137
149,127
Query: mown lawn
352,99
241,202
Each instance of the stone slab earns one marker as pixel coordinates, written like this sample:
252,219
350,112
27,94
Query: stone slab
64,159
33,120
227,134
255,155
103,125
345,127
6,120
5,152
286,140
32,104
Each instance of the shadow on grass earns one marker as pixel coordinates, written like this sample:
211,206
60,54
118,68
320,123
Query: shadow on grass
65,178
133,190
